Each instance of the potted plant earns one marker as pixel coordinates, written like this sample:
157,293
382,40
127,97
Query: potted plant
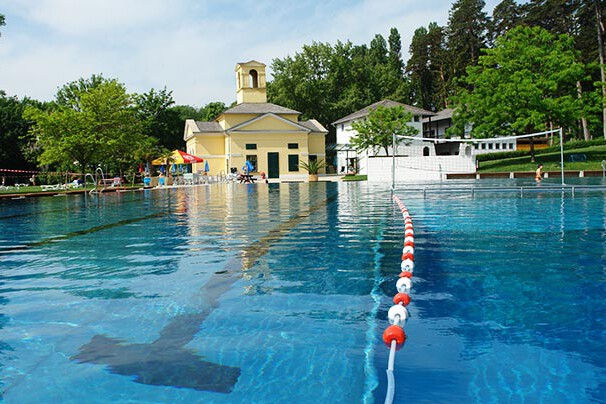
312,167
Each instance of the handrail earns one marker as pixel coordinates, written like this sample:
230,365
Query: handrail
99,170
521,189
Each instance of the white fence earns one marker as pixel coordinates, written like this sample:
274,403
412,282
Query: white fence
419,169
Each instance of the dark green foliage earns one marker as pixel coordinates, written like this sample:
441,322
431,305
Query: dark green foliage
327,82
505,16
159,120
466,34
427,68
13,131
211,111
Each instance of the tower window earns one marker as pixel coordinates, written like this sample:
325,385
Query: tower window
254,79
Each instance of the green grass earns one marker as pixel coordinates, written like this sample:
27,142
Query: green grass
355,178
550,161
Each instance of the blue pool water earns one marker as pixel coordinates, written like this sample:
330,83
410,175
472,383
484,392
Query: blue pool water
279,293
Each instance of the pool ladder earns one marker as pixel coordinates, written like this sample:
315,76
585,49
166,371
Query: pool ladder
98,188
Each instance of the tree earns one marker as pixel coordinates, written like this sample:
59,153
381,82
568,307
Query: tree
466,34
211,111
505,16
526,83
13,130
100,127
2,21
69,95
377,130
395,53
327,82
158,119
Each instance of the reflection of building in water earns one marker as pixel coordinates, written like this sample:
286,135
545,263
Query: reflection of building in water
253,221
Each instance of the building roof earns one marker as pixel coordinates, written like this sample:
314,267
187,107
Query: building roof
208,126
251,62
243,125
260,108
440,115
313,125
386,103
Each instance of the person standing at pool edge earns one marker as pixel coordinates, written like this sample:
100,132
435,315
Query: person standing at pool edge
538,176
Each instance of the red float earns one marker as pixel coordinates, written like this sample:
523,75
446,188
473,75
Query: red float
408,256
394,332
402,298
409,244
406,274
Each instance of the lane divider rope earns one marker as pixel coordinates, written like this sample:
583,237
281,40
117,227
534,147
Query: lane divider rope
394,335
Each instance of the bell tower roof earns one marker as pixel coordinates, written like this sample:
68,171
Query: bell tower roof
250,82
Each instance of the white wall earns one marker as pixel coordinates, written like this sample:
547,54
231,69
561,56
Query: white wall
419,169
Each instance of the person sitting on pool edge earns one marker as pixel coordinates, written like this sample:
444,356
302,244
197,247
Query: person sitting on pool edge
538,176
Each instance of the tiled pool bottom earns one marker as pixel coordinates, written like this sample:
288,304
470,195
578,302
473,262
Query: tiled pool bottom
275,286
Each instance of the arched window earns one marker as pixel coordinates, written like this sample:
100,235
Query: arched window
254,79
426,151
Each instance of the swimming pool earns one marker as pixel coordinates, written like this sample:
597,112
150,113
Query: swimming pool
279,292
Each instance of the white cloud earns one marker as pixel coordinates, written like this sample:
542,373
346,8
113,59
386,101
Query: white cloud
189,46
87,17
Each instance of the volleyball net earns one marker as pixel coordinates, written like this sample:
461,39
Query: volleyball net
417,149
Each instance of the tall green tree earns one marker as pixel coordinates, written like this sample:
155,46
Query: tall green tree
100,128
525,84
2,21
466,34
377,130
438,64
394,56
575,18
427,68
505,16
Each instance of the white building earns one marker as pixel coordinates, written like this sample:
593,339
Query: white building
435,127
350,160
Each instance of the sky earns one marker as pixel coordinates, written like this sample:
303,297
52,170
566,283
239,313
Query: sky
190,47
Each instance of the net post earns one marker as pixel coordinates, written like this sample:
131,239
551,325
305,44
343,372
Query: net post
562,154
393,162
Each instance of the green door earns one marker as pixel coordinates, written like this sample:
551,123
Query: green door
273,165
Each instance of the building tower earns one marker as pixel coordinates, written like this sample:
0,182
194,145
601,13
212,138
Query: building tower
251,85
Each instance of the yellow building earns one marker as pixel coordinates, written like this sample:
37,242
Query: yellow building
271,137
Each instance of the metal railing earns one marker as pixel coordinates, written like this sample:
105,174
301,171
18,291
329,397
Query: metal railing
473,190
